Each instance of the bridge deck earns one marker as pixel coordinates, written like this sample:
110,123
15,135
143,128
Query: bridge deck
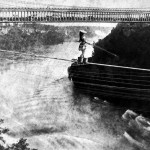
73,15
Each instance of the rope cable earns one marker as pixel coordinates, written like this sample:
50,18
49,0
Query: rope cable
115,87
35,55
99,76
111,73
101,80
115,93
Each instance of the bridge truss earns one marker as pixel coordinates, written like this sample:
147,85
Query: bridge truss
70,14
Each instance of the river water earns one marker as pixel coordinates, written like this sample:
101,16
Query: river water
38,102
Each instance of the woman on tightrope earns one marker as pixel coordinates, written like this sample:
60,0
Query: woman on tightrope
82,46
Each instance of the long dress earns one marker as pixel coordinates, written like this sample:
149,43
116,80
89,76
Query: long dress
82,48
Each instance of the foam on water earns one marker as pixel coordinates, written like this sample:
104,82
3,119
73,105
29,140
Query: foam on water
39,103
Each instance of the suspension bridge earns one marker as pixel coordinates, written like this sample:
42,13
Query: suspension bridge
73,14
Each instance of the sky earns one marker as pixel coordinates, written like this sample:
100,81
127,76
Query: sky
82,3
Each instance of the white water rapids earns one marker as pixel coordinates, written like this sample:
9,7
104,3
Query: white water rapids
38,103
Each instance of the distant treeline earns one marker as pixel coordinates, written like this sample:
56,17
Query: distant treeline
130,41
27,36
21,38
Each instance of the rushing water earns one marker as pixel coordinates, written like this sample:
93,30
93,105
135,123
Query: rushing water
38,102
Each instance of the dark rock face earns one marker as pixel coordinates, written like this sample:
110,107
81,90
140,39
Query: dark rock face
130,41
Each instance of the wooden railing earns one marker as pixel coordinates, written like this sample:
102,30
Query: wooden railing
73,14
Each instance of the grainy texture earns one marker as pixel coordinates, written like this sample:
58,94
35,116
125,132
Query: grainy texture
38,101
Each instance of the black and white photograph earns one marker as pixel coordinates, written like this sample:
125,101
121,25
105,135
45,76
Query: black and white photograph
74,75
